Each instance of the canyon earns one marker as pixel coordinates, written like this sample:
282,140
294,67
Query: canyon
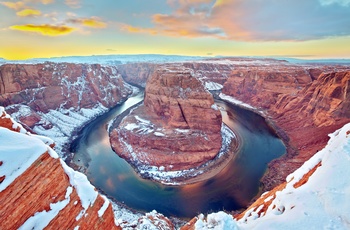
303,103
178,127
55,99
38,190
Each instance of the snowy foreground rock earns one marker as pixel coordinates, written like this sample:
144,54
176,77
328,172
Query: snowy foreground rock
316,196
38,190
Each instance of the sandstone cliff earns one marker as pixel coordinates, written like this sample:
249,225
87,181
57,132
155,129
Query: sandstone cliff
177,127
38,190
302,102
55,99
312,197
303,118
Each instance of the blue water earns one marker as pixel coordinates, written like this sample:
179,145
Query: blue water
231,189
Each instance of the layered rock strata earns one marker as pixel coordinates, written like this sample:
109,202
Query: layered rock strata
177,127
50,86
55,99
303,102
38,190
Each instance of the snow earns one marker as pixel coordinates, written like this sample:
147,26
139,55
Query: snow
216,221
236,101
64,123
215,107
169,177
104,206
41,219
131,126
213,86
322,203
86,192
18,152
159,134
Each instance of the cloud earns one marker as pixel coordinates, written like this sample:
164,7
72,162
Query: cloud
252,20
46,2
28,13
14,5
94,22
73,3
190,19
44,29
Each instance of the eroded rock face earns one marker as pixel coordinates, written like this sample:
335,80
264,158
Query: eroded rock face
304,114
56,99
177,127
54,85
48,194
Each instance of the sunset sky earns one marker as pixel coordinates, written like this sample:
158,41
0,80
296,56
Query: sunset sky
308,29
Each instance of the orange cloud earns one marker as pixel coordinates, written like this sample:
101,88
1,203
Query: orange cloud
28,12
94,22
133,29
46,2
189,19
13,5
45,29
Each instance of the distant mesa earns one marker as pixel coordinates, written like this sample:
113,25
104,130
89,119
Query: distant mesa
178,127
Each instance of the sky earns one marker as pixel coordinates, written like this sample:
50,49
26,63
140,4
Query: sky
309,29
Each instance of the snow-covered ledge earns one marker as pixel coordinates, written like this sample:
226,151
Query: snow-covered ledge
321,203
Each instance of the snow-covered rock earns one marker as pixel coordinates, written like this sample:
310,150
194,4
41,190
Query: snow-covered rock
38,190
315,196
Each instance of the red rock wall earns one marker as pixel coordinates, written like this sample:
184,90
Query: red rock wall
174,99
54,85
303,113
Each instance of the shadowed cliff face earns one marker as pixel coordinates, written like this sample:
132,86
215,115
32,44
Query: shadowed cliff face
178,127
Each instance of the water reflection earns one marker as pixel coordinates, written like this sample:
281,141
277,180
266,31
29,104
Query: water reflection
230,189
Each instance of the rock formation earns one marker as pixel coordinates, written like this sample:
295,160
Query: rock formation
55,99
50,86
177,127
313,196
302,102
38,190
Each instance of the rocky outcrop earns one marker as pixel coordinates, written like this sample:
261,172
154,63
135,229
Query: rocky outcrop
45,181
313,196
53,86
303,114
302,102
38,190
177,127
137,73
56,99
307,118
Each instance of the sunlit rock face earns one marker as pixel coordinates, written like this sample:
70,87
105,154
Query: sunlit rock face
56,99
50,86
177,127
305,108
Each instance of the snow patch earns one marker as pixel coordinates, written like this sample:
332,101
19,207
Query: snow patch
85,190
236,101
216,221
41,219
104,206
213,86
18,152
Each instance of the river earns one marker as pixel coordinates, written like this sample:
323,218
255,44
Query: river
231,189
